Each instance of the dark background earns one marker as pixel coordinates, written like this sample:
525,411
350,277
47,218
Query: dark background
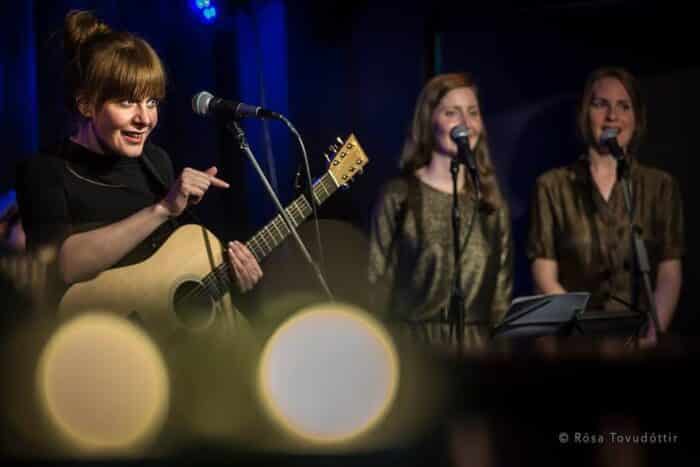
339,67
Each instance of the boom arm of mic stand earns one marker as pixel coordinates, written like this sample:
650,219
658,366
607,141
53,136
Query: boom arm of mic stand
238,133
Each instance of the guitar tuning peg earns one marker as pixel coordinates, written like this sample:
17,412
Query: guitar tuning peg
339,140
333,148
328,159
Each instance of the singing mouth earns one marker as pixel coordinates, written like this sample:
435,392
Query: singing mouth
134,136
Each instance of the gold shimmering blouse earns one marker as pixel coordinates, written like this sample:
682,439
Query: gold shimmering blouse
590,238
411,258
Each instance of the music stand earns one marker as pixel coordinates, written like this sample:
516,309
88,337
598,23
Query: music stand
542,315
611,323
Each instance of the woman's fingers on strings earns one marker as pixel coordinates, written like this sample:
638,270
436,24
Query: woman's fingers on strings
250,261
238,270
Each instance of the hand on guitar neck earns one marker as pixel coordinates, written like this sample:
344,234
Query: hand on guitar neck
246,270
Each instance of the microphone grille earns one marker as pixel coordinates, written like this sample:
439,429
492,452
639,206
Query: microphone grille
459,132
609,134
200,102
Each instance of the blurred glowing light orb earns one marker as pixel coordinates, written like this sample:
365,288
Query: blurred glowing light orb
103,384
329,374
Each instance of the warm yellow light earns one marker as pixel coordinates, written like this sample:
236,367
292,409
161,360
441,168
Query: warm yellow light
103,385
329,374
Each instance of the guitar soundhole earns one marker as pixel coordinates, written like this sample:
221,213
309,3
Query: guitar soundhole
193,305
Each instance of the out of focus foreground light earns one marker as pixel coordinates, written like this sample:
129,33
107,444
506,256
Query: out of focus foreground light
328,374
104,386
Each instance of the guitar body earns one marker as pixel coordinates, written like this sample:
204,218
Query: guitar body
152,287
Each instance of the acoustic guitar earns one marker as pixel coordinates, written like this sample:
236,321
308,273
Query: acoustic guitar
187,281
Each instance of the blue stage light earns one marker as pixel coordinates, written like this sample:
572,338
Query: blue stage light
204,9
210,13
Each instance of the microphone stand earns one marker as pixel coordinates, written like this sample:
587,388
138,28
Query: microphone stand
640,251
456,305
239,135
455,312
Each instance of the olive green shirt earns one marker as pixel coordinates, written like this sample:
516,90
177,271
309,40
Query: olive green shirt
411,259
589,237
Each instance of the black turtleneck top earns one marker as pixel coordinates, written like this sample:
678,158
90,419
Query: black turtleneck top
71,189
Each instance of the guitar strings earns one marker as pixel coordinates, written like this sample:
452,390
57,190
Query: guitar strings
214,278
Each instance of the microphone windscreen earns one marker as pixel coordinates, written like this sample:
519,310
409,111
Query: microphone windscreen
200,102
460,132
608,135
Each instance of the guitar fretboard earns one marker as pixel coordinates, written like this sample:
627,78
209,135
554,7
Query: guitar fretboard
218,282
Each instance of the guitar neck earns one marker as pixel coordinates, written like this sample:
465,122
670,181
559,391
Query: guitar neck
270,236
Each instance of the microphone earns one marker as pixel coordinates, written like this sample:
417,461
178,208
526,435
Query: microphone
609,140
204,103
460,136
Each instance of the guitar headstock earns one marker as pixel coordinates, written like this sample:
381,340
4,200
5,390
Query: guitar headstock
348,159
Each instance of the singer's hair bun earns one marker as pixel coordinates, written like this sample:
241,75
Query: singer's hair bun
103,64
79,27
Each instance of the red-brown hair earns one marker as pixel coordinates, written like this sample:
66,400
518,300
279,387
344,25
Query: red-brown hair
102,64
420,142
